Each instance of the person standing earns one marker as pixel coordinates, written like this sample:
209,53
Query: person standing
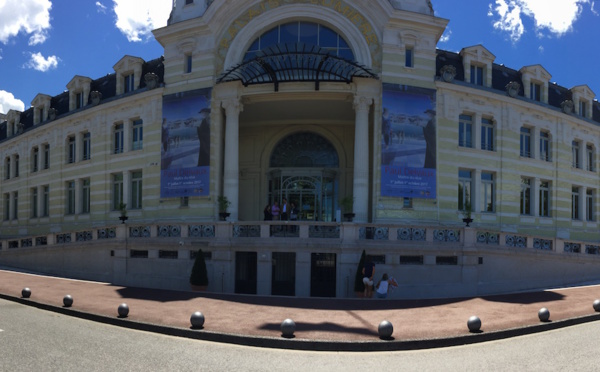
368,272
275,211
284,209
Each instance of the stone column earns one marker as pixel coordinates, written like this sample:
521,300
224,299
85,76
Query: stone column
361,158
231,175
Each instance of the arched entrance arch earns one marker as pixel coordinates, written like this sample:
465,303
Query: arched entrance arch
363,38
304,169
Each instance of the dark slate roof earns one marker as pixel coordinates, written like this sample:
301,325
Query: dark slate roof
106,85
502,75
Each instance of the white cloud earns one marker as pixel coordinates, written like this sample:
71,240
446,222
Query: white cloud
100,7
38,62
137,19
8,102
554,16
29,16
446,36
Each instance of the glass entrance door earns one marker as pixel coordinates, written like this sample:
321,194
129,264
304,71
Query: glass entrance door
313,192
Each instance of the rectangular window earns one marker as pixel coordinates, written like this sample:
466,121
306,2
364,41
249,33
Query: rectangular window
79,100
582,108
184,201
575,203
476,75
87,146
137,135
575,149
15,215
488,199
525,196
525,142
46,156
118,142
7,168
6,206
544,199
535,91
409,57
129,82
136,190
487,134
46,201
85,196
35,159
465,131
117,191
16,165
590,155
407,203
464,189
34,202
545,146
71,148
70,202
589,205
188,63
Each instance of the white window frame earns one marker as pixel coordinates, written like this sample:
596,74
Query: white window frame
487,134
525,199
544,207
465,131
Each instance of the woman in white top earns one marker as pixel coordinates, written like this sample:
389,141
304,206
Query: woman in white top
384,286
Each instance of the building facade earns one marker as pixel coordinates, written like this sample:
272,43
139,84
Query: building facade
309,102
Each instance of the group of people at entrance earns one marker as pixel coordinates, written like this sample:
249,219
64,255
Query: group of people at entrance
385,284
283,212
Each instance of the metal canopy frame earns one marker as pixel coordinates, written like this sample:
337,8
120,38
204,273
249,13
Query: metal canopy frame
295,62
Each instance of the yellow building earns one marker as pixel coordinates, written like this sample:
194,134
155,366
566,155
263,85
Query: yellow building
299,112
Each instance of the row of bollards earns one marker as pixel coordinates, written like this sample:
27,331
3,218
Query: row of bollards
288,326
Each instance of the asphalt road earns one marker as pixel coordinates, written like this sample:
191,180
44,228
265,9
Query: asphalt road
37,340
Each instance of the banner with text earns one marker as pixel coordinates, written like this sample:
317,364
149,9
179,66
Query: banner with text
408,142
185,150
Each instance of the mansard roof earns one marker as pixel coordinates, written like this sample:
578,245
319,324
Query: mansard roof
502,76
106,85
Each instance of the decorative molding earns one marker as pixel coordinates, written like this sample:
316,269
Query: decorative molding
96,97
448,73
151,80
512,89
567,106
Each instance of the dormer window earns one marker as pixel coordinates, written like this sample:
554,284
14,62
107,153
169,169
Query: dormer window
129,73
79,100
188,63
79,91
582,98
535,83
477,64
128,83
477,75
582,108
535,91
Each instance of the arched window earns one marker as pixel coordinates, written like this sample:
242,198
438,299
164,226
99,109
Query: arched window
302,32
302,150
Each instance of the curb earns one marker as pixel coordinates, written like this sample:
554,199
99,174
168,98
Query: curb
304,344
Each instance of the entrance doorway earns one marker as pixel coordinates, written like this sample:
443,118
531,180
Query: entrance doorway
283,274
323,275
304,170
245,272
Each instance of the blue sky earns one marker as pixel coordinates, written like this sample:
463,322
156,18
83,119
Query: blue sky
52,41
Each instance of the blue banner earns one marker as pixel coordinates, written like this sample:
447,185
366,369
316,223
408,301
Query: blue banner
185,148
408,142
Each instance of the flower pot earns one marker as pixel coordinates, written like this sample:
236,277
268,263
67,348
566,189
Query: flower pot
348,217
467,221
223,216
